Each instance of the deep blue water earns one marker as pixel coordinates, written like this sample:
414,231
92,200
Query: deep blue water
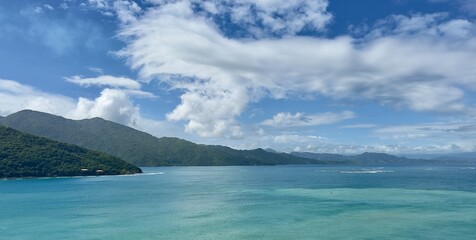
269,202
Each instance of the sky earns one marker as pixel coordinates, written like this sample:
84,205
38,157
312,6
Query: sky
335,76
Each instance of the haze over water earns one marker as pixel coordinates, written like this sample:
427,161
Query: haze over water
278,202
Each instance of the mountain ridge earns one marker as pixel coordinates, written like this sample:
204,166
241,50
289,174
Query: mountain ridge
139,148
372,158
144,149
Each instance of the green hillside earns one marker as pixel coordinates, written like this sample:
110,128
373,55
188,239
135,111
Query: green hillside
26,155
137,147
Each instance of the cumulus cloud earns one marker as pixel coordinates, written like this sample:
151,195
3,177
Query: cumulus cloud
210,110
286,119
112,104
412,64
105,80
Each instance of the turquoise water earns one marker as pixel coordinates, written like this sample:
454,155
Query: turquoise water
279,202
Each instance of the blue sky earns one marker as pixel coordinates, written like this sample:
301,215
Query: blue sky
341,76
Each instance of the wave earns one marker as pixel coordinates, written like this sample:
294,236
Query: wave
367,171
151,173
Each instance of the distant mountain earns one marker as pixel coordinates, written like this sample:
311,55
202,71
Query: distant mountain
366,159
137,147
458,156
26,155
383,158
464,156
271,150
334,158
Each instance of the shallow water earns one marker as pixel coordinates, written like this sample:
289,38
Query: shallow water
278,202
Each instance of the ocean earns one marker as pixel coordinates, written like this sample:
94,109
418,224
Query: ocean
252,202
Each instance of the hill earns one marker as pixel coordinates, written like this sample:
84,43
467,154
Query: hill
137,147
26,155
366,159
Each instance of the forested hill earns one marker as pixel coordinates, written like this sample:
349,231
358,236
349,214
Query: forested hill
143,149
139,148
26,155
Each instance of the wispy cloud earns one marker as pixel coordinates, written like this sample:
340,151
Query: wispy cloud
62,35
467,6
286,119
16,97
105,80
438,130
455,135
96,70
360,125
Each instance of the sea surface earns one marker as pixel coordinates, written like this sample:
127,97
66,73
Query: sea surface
256,202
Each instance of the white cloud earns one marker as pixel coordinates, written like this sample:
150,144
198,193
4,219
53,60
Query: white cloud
96,70
262,18
105,80
435,130
62,36
429,25
285,119
115,105
360,125
210,110
129,86
397,149
112,104
125,10
459,134
15,97
49,7
38,10
279,17
294,138
411,65
139,93
467,6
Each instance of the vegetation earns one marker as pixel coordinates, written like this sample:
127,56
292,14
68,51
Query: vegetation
139,148
142,149
26,155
